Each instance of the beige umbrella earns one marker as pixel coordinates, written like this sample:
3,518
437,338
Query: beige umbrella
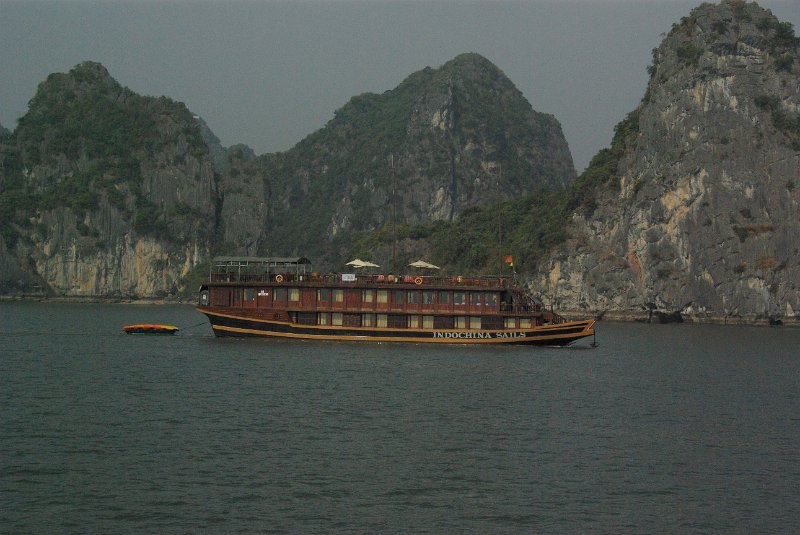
423,265
357,263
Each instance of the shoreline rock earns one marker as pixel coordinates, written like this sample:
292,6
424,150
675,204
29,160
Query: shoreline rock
662,317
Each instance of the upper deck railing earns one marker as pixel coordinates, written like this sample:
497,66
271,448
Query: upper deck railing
357,279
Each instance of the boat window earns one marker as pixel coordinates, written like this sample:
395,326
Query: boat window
382,320
336,318
294,294
338,296
324,294
461,322
413,298
367,296
220,297
475,298
491,299
366,320
249,294
474,322
427,297
444,298
398,297
427,322
524,323
279,294
383,296
459,298
323,318
511,323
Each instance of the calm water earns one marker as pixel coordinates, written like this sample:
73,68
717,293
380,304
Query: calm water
659,429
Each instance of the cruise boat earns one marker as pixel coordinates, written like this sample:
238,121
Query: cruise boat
284,298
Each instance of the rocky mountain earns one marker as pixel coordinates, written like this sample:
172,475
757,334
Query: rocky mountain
700,212
103,192
107,193
446,139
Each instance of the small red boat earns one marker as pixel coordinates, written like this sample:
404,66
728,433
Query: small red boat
146,328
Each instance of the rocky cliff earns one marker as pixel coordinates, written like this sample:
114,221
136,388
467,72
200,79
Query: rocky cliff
104,192
445,140
107,193
701,213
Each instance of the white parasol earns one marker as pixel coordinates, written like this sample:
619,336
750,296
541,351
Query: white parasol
423,265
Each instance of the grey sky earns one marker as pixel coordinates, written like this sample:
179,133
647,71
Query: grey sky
269,73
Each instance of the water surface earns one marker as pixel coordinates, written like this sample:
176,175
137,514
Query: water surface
663,428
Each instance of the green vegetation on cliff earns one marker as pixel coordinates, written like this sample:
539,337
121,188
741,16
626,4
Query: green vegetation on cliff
526,228
83,139
441,136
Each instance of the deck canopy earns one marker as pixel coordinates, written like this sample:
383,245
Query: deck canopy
258,265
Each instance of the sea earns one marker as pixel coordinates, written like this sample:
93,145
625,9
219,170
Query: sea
658,429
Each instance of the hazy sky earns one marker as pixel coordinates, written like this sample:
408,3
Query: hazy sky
268,73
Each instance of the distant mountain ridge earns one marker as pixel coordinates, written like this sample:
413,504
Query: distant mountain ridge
105,192
447,139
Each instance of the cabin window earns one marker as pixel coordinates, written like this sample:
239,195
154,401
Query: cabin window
461,322
336,319
381,320
383,296
307,318
398,321
294,294
324,295
524,323
444,298
279,294
474,322
237,295
398,297
338,296
427,322
413,322
474,299
491,299
323,318
459,298
413,298
249,294
443,322
220,297
367,296
511,323
366,320
427,297
491,323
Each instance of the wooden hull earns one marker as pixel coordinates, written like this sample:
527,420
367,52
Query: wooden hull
560,334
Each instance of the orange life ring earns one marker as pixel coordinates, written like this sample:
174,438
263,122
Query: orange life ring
279,278
418,281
